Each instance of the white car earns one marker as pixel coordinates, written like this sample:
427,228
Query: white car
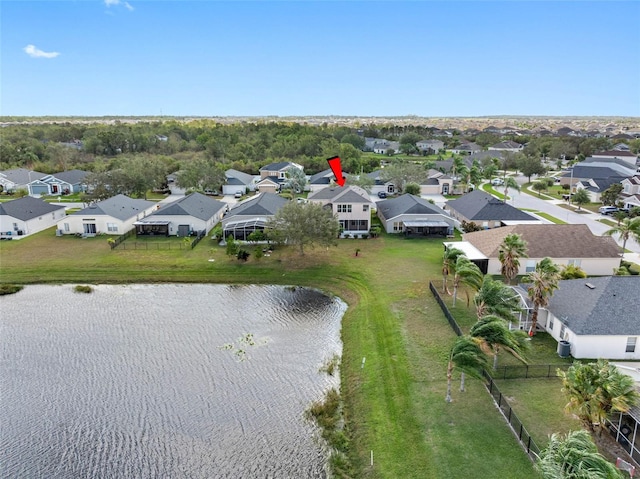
497,182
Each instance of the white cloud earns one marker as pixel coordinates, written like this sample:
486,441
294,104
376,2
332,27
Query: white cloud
112,3
34,52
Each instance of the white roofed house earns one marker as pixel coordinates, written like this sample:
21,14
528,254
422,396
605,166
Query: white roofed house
113,216
350,204
27,215
238,181
192,214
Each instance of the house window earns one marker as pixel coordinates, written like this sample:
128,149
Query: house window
550,323
397,226
575,262
562,330
112,227
531,265
631,344
66,227
365,207
344,208
15,226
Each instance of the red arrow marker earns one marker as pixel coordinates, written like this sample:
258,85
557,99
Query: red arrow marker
334,164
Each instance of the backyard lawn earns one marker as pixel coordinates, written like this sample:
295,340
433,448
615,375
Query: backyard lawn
394,405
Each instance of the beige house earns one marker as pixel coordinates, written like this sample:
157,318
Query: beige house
350,204
564,244
438,183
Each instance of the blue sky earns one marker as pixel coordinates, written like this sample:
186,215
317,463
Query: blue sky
427,58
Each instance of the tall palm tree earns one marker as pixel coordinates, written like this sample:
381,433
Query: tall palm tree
543,282
628,228
595,390
496,298
448,264
467,356
513,248
510,182
574,456
467,273
492,333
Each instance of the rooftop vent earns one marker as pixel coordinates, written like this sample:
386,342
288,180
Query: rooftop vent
590,286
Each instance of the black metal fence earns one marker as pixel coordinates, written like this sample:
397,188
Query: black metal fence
536,371
121,244
445,310
115,243
517,427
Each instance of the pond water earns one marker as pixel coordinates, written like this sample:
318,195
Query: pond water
175,381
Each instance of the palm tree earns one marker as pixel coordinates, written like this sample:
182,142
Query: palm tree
496,298
493,333
513,248
543,282
574,456
595,390
580,197
510,182
467,273
448,261
628,228
467,356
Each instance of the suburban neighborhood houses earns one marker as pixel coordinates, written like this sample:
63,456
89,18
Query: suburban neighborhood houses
430,222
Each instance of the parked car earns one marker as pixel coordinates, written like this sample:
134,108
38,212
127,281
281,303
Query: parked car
238,194
497,182
382,194
607,210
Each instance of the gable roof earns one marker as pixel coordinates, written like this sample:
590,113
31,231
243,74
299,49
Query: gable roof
508,144
322,178
480,206
338,194
73,177
602,184
262,204
407,205
21,176
120,206
624,167
27,208
241,177
610,308
584,171
614,153
196,205
552,240
278,166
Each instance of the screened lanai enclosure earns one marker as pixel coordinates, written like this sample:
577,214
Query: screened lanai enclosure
240,230
625,428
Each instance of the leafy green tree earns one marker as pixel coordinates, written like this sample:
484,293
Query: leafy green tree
628,228
496,298
448,261
402,172
466,356
512,248
610,195
296,180
305,224
467,273
493,334
530,165
412,188
232,246
543,282
580,197
596,390
408,143
355,140
574,456
539,186
202,175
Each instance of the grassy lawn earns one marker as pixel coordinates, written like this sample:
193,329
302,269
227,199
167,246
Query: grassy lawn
553,219
540,406
394,405
492,191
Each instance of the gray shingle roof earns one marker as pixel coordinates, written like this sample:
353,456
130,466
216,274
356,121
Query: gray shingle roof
27,208
120,206
73,177
350,194
263,204
240,177
276,166
611,308
196,205
591,172
322,178
407,205
480,206
21,176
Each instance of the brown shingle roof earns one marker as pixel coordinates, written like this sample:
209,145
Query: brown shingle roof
554,241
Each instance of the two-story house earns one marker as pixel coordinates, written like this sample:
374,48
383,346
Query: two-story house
350,204
631,191
273,175
431,147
